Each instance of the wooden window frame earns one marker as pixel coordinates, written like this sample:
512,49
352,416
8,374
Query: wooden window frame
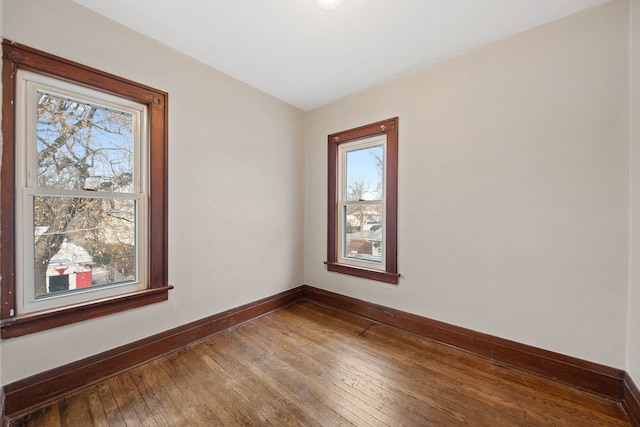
389,128
17,56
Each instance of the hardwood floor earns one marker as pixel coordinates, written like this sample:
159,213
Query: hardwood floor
307,365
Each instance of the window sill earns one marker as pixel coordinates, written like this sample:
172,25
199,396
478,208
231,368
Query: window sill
380,276
43,320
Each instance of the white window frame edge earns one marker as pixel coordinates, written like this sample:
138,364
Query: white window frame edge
26,84
343,148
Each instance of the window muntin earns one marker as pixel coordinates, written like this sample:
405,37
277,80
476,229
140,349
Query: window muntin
80,194
372,210
361,226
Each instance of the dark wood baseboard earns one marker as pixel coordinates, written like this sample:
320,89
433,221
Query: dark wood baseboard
38,389
579,373
632,400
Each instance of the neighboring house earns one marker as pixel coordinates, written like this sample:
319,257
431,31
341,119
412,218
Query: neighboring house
70,268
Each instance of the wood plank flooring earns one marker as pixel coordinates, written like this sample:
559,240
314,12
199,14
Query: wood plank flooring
307,365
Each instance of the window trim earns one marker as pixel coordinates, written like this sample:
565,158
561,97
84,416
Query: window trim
17,56
390,274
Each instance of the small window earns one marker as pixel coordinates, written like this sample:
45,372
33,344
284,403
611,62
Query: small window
83,154
361,226
363,202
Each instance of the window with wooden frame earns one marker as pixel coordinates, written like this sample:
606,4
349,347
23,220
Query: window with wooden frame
362,202
84,193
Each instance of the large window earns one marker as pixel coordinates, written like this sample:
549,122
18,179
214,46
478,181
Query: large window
362,239
83,193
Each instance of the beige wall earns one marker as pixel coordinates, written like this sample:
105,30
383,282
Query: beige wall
633,333
236,159
512,187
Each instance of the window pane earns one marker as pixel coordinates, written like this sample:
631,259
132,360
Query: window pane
83,146
362,235
82,242
364,174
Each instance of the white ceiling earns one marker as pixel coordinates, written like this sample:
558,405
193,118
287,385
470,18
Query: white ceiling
309,56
